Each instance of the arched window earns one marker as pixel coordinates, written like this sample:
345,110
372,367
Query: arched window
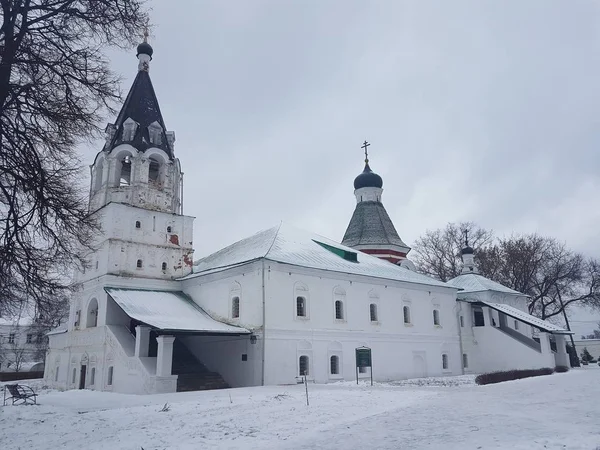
74,375
339,310
169,229
138,224
235,307
465,361
406,311
303,365
139,264
334,365
56,375
436,317
93,376
154,171
444,361
125,178
98,175
92,314
373,312
300,307
164,266
110,376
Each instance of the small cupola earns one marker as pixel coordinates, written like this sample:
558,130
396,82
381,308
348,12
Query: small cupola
144,49
468,257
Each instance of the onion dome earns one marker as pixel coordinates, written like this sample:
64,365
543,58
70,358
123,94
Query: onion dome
145,49
368,178
467,251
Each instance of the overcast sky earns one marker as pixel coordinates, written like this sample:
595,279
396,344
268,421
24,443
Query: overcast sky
486,111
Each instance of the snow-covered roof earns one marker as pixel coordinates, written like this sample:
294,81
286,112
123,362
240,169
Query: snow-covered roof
290,245
169,311
473,282
527,318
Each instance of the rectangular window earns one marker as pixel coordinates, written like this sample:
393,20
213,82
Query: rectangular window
303,365
29,338
235,307
406,311
478,317
445,361
373,312
74,375
465,361
93,376
436,317
462,321
339,309
300,307
110,376
56,375
11,338
516,325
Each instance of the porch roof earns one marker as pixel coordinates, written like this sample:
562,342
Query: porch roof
169,311
527,318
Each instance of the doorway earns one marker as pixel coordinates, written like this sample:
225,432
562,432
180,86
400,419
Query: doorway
82,377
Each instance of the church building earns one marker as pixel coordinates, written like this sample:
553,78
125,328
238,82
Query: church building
273,307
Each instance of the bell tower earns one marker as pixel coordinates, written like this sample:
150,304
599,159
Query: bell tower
137,191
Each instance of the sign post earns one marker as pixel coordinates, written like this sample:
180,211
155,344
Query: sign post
363,359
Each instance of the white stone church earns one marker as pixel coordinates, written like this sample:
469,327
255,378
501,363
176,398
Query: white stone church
269,308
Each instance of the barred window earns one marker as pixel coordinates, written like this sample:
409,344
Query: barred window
334,365
373,312
300,307
339,309
303,365
235,307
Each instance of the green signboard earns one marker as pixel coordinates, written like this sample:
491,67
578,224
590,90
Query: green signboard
363,357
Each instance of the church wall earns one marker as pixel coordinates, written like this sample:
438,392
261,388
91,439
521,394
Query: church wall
396,347
215,292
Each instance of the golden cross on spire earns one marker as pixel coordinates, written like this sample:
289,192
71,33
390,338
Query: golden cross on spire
365,145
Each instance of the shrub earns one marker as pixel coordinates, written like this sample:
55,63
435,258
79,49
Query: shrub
561,369
498,377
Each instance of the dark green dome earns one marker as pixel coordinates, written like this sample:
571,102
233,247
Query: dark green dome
145,49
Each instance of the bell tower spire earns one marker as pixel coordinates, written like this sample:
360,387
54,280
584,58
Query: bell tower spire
370,229
468,257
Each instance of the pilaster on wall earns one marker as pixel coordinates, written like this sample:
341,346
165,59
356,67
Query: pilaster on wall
164,357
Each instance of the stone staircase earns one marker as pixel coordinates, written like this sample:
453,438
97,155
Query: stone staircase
192,374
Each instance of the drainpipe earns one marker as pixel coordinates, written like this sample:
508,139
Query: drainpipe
460,342
262,382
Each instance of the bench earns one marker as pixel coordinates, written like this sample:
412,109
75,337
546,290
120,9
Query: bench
19,394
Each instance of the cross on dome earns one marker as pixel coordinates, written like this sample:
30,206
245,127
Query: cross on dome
365,145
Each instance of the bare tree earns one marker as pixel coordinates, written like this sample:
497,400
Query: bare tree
552,275
55,84
437,252
594,335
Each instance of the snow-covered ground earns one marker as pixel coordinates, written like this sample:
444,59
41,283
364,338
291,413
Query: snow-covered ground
560,411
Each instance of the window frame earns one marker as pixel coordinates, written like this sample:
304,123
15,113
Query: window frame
307,371
445,362
338,310
304,314
465,361
337,360
110,376
373,313
235,307
406,314
436,317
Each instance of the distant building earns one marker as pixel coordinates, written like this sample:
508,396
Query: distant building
273,307
23,344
